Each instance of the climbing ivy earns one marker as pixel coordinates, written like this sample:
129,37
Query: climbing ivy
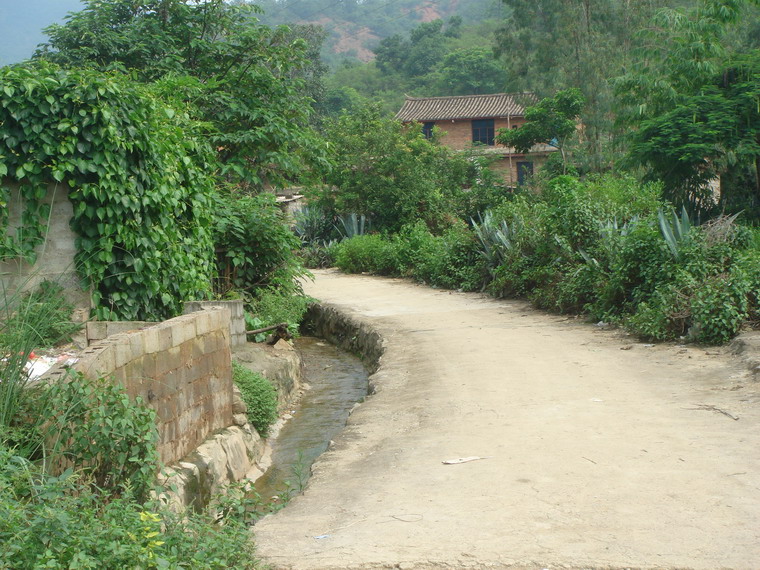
139,185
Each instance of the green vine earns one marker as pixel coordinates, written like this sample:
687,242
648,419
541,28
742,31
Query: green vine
139,185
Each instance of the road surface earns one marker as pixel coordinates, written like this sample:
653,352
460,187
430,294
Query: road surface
596,451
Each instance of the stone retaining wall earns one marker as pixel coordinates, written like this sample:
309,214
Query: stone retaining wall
350,334
181,368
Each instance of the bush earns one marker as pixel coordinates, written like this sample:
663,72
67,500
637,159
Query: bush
259,395
105,435
255,248
63,522
273,306
719,307
42,316
370,253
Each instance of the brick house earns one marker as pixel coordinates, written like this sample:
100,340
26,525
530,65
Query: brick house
468,120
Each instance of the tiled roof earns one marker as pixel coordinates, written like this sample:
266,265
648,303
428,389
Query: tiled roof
465,107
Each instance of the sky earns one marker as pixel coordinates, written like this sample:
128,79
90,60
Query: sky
21,23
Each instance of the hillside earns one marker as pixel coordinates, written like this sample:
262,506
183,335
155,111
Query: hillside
355,27
21,25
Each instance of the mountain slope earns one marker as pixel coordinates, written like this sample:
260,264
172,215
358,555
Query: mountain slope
355,27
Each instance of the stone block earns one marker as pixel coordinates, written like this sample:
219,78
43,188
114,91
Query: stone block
148,365
122,348
137,343
165,336
233,444
151,342
102,364
238,405
198,345
167,360
203,322
183,330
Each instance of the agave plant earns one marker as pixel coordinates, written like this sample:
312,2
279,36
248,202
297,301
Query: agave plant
354,225
496,240
675,230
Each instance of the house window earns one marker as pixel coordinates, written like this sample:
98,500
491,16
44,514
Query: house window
524,172
483,131
427,129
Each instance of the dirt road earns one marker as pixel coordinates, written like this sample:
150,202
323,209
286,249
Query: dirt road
598,451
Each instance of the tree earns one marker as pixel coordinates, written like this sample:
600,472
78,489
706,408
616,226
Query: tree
553,121
242,79
549,45
391,173
693,106
470,72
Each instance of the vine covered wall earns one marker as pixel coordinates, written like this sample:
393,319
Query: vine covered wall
140,186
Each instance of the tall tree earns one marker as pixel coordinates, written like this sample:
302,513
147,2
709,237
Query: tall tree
244,80
695,105
549,45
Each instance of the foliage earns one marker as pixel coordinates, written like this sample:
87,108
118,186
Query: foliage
243,79
315,224
449,260
255,247
550,45
600,246
391,174
272,306
434,58
42,316
371,253
138,185
675,231
105,435
552,121
61,522
694,103
259,396
346,21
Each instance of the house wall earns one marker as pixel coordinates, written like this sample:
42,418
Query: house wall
55,257
181,368
458,133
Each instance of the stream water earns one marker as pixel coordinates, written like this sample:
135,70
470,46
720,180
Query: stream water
337,381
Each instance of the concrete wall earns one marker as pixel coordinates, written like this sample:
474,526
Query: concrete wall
237,317
181,368
55,257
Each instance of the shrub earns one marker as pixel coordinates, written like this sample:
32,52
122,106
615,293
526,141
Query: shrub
104,434
371,253
319,255
62,522
719,307
273,306
259,395
255,248
43,316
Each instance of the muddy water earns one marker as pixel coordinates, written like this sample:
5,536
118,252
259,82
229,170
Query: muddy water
337,381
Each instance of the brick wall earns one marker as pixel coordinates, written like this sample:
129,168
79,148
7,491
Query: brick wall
458,133
181,368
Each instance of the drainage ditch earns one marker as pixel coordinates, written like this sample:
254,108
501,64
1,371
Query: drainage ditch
337,381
